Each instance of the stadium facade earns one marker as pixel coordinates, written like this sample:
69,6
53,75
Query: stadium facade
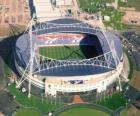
94,72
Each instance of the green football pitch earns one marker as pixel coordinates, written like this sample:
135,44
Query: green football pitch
62,52
83,112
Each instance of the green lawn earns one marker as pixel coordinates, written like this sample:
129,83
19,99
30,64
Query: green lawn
34,102
131,3
83,112
27,112
62,52
117,100
115,19
92,6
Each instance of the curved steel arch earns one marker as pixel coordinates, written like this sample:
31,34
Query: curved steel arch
105,60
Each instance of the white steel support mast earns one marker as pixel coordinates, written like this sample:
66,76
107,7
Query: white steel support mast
31,58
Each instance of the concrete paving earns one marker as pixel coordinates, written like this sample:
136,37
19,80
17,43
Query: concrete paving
135,42
7,104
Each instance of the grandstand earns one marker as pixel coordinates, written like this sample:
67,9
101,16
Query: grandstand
69,57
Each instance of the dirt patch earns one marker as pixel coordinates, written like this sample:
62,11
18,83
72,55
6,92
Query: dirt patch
135,80
11,30
133,111
4,31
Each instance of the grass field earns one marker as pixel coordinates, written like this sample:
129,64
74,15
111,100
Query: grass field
93,6
62,52
35,102
27,112
131,3
83,112
117,100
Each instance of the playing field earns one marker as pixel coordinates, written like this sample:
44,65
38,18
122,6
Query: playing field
68,52
83,112
27,112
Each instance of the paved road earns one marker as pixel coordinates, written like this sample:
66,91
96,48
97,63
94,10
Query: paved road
3,82
7,104
134,41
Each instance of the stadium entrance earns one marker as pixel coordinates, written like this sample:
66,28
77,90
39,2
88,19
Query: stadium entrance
73,97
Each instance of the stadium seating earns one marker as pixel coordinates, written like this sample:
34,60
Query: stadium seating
66,40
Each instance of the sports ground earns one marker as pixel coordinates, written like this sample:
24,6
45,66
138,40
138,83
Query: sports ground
68,52
83,112
62,52
77,111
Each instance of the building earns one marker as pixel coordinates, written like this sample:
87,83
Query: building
100,67
14,12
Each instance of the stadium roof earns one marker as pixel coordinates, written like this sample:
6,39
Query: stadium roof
65,21
63,25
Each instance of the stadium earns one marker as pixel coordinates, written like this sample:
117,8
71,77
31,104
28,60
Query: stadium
68,56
